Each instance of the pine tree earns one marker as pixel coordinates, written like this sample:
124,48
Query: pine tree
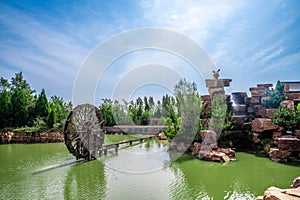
42,105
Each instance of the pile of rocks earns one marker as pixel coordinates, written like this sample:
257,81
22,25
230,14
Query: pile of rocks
7,137
209,150
274,193
261,127
254,103
286,146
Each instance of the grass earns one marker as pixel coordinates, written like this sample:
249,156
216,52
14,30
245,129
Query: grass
113,138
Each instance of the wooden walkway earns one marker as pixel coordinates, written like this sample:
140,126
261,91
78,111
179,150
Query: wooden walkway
117,145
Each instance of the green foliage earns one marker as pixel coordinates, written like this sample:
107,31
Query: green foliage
286,117
276,96
51,119
147,106
173,121
121,114
19,107
145,120
220,117
106,109
61,111
189,105
42,105
184,113
40,124
5,109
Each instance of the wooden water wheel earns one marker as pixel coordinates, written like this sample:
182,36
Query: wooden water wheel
84,131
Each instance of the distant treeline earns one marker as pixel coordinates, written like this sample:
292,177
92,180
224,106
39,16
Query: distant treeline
20,106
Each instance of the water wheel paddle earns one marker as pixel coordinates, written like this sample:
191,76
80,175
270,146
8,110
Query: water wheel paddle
84,131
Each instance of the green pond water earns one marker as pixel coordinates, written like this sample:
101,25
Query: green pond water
143,171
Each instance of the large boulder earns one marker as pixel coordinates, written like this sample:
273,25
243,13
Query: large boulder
263,124
216,156
274,193
208,136
296,183
288,143
288,103
162,136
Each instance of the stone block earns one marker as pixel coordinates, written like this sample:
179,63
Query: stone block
259,110
216,90
250,109
211,83
296,183
270,113
276,135
208,136
226,82
267,85
274,153
285,154
293,96
255,91
263,124
297,133
238,120
289,104
255,100
288,143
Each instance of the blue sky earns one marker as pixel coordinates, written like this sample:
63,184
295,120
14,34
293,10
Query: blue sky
251,41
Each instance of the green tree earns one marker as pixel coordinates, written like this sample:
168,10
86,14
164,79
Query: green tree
106,109
145,118
157,110
275,96
147,106
5,109
19,108
189,105
61,110
22,100
51,119
151,103
173,121
42,105
220,117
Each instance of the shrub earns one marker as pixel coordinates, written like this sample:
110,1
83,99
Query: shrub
287,118
276,96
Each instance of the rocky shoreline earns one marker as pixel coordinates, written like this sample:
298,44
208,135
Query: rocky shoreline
11,137
274,193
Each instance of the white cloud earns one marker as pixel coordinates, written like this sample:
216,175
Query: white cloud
194,18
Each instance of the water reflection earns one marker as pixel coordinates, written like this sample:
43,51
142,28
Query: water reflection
139,172
85,181
114,177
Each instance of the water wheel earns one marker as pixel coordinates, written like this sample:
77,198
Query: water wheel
84,132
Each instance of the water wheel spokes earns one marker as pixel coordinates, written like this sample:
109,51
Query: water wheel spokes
84,132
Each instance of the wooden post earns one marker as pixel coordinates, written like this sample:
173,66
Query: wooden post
105,151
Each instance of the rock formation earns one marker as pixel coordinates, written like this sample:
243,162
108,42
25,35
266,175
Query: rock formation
274,193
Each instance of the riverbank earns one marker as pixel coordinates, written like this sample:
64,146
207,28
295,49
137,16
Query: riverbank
10,137
43,171
276,193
